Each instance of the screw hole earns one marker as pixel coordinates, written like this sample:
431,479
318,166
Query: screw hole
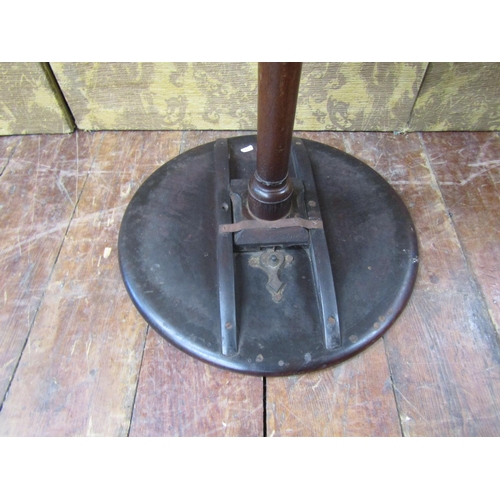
225,206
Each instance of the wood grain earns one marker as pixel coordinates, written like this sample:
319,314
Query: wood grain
82,361
7,147
30,101
458,96
353,399
467,167
443,352
40,185
79,370
180,396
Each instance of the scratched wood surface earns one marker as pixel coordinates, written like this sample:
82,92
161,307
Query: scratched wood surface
467,167
7,147
41,180
77,359
179,396
443,352
79,370
353,399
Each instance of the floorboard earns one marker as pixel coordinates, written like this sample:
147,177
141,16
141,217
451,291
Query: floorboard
78,373
77,359
443,352
7,147
467,168
41,181
179,396
353,399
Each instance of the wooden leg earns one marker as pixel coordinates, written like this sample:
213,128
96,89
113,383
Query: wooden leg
270,188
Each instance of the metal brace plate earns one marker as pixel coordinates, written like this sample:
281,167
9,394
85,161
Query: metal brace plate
275,224
271,262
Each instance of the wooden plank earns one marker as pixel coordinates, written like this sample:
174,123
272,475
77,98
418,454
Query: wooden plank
467,167
223,96
78,372
79,369
458,96
180,396
7,147
30,101
39,187
353,399
443,351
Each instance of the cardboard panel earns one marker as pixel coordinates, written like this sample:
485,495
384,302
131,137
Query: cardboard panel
30,101
223,96
458,96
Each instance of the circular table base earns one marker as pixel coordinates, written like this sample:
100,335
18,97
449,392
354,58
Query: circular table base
167,252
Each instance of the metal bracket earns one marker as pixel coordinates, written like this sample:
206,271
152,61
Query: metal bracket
272,224
252,234
225,260
318,249
271,262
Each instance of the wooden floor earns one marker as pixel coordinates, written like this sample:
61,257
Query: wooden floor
76,359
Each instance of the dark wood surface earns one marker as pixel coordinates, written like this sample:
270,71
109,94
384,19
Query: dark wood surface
76,359
270,189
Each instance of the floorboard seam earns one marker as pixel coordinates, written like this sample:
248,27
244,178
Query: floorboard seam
63,239
182,145
393,385
474,279
348,149
148,328
10,156
264,405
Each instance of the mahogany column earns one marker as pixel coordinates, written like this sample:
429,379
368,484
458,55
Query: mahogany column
270,189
